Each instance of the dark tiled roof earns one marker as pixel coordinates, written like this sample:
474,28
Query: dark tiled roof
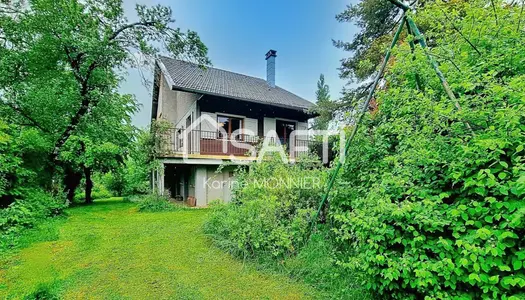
190,77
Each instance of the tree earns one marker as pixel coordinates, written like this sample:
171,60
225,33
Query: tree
61,59
87,40
376,21
100,144
323,105
133,177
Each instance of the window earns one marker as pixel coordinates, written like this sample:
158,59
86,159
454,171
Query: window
230,125
284,130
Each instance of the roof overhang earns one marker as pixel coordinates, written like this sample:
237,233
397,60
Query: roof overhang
174,87
178,88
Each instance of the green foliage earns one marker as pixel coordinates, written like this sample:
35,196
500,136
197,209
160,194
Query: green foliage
20,164
100,189
10,163
376,20
271,208
430,209
268,222
323,106
136,177
142,159
133,176
61,63
156,203
114,182
316,264
25,213
44,292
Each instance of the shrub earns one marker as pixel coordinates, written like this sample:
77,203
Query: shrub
114,182
435,209
27,212
44,292
156,203
271,208
316,264
100,191
136,177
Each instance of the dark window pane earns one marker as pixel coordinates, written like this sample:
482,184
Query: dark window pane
236,125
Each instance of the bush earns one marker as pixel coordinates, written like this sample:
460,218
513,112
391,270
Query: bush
269,220
316,264
433,209
114,182
271,208
155,203
136,177
27,212
44,292
100,191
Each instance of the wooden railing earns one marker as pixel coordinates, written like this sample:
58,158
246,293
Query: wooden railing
176,141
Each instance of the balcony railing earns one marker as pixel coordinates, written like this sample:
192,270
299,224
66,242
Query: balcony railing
176,141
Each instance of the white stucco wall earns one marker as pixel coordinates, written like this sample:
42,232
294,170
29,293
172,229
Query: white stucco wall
200,185
250,126
210,185
174,106
185,102
269,124
207,126
164,93
215,185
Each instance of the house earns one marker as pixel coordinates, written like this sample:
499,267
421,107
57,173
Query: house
214,114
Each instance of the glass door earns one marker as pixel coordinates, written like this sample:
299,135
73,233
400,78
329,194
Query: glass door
284,131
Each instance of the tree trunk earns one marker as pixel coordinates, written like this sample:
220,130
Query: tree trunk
75,120
89,185
71,182
81,112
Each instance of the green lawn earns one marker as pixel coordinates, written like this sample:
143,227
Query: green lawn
110,250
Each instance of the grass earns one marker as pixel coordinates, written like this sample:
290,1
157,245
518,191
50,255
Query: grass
315,264
110,250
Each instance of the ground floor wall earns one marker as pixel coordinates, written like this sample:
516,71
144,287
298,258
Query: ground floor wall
206,183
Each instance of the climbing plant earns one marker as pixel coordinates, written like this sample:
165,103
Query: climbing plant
432,208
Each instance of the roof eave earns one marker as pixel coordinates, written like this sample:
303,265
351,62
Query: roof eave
183,89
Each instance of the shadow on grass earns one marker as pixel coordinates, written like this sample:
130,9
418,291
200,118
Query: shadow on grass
101,202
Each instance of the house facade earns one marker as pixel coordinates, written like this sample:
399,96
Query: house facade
215,115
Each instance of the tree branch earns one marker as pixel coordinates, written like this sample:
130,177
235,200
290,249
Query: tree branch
75,120
115,34
460,33
521,13
494,9
26,116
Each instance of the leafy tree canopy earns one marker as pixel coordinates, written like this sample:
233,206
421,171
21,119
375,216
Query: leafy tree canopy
61,62
71,51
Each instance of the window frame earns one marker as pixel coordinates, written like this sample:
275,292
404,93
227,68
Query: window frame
229,129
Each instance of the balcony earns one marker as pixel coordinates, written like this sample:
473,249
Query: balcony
177,142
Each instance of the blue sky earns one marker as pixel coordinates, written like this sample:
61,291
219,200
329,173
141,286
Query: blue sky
238,34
